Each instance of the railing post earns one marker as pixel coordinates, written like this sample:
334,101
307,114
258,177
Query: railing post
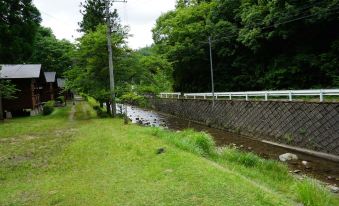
230,96
246,97
204,96
321,94
194,97
216,96
290,96
266,96
166,96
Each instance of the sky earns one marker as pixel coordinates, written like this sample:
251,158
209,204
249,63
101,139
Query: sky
62,16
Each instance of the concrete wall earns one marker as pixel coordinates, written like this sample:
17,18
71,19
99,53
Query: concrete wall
308,125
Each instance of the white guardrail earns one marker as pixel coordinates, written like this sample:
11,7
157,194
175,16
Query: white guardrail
265,94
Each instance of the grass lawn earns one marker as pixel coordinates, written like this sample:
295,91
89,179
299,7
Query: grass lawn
75,159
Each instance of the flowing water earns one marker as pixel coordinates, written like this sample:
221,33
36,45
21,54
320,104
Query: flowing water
319,168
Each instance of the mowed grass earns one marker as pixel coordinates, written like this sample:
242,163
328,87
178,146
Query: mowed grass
66,161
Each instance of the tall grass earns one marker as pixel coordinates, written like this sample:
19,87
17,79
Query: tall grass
271,173
312,194
84,112
196,142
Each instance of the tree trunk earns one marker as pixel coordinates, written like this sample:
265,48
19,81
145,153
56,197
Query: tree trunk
108,106
126,115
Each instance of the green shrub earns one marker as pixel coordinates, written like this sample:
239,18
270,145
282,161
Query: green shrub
48,108
61,99
134,99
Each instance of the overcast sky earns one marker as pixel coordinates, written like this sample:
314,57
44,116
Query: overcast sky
63,17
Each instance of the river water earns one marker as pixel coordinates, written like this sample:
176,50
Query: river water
319,168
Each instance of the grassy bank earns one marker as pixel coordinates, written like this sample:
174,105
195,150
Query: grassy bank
71,158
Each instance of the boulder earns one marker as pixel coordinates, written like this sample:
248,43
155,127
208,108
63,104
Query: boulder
333,188
287,157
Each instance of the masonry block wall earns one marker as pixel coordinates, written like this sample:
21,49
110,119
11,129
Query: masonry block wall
307,125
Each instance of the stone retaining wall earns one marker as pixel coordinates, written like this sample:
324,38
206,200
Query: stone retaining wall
307,125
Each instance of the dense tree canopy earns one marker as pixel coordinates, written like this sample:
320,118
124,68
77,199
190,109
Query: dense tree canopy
19,22
54,55
257,44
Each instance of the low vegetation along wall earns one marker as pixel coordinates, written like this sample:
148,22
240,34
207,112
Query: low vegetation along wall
308,125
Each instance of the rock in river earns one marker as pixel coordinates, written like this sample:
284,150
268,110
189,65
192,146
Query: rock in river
333,188
287,157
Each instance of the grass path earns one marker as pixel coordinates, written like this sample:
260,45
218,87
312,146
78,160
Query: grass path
81,161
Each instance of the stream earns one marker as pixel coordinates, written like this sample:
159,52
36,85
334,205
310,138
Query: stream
319,168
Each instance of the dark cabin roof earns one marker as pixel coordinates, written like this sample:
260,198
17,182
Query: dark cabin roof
50,76
61,83
20,71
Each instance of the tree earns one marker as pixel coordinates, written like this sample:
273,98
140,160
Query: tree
93,12
54,55
90,72
256,44
19,21
7,91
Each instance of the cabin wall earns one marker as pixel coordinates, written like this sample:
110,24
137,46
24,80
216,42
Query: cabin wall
27,97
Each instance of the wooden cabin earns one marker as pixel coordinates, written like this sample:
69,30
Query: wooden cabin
26,77
49,87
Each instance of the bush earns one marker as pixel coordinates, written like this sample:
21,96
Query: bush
48,108
61,99
100,112
134,99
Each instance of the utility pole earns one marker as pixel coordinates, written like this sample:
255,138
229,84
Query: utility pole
110,56
211,63
1,109
1,88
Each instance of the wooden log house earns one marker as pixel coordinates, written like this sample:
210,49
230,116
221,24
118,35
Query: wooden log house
49,87
26,77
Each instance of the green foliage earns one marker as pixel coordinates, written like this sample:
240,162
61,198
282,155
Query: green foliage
19,22
100,111
54,55
132,98
257,45
48,108
84,111
244,158
61,99
313,194
7,89
90,73
197,142
93,12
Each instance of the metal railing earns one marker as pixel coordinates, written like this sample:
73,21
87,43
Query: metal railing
170,95
290,94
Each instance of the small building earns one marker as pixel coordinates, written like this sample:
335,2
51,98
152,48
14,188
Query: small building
26,77
49,87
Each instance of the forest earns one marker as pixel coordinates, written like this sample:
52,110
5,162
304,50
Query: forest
256,45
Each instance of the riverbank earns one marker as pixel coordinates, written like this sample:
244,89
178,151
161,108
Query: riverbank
73,158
